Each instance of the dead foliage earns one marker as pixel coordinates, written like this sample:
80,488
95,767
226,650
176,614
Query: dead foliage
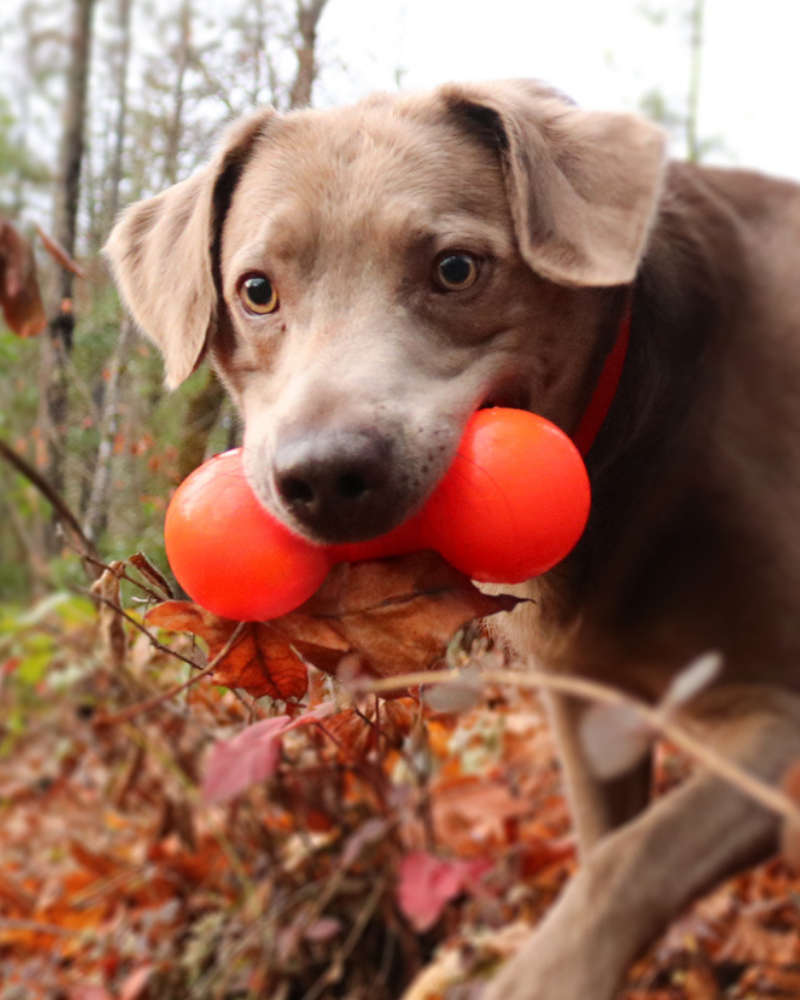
301,840
20,297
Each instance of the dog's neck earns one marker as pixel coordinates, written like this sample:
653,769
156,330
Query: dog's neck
606,389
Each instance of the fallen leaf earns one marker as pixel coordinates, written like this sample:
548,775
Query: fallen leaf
16,895
397,615
790,832
323,929
426,885
253,755
372,831
388,617
20,299
701,984
461,968
111,624
484,810
136,983
261,661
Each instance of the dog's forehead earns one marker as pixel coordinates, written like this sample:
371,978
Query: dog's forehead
347,166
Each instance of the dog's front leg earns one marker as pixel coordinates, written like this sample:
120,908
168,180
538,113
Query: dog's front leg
597,807
639,878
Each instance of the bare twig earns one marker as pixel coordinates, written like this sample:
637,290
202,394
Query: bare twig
335,968
103,566
134,621
60,508
126,714
703,753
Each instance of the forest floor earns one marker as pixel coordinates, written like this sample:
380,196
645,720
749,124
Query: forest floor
379,850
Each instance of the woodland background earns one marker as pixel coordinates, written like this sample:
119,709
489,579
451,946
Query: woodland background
104,102
133,866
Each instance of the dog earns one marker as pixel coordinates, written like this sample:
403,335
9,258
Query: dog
363,279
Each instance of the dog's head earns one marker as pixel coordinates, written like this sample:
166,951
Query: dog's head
365,278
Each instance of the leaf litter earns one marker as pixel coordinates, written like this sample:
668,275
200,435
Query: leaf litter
270,832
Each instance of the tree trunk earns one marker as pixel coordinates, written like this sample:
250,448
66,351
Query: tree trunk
96,508
694,149
175,133
308,15
62,324
206,406
202,414
120,126
97,505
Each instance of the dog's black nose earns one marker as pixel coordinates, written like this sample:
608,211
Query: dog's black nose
339,486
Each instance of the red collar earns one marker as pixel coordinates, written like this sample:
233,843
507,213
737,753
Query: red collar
603,396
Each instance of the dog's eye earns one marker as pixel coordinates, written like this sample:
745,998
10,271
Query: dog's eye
456,272
258,295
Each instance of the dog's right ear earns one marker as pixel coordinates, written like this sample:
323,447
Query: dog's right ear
164,252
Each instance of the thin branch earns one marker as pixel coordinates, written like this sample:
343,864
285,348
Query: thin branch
133,620
767,796
48,491
123,575
333,973
126,714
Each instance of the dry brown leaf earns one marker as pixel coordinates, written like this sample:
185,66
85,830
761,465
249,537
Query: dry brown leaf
153,575
387,617
790,833
261,661
396,615
20,299
111,625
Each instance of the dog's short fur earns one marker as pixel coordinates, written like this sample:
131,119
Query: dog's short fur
356,389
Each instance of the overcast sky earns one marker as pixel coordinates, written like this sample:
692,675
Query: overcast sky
604,53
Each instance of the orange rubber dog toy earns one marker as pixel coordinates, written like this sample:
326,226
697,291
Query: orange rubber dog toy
513,504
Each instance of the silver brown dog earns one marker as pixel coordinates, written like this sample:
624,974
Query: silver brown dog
364,279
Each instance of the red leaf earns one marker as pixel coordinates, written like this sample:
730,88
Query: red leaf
323,929
253,755
136,983
427,884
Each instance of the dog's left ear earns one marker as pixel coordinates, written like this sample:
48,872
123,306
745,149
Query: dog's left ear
163,252
583,186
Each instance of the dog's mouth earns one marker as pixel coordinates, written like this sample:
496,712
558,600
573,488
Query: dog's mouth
511,394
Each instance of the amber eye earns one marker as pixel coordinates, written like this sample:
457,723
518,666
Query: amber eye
258,295
456,271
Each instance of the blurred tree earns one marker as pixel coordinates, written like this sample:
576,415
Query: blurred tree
67,195
681,118
164,79
260,84
308,14
20,168
96,506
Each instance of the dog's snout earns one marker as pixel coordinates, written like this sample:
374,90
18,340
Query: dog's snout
339,486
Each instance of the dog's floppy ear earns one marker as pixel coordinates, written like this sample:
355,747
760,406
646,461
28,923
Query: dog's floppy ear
163,252
583,186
